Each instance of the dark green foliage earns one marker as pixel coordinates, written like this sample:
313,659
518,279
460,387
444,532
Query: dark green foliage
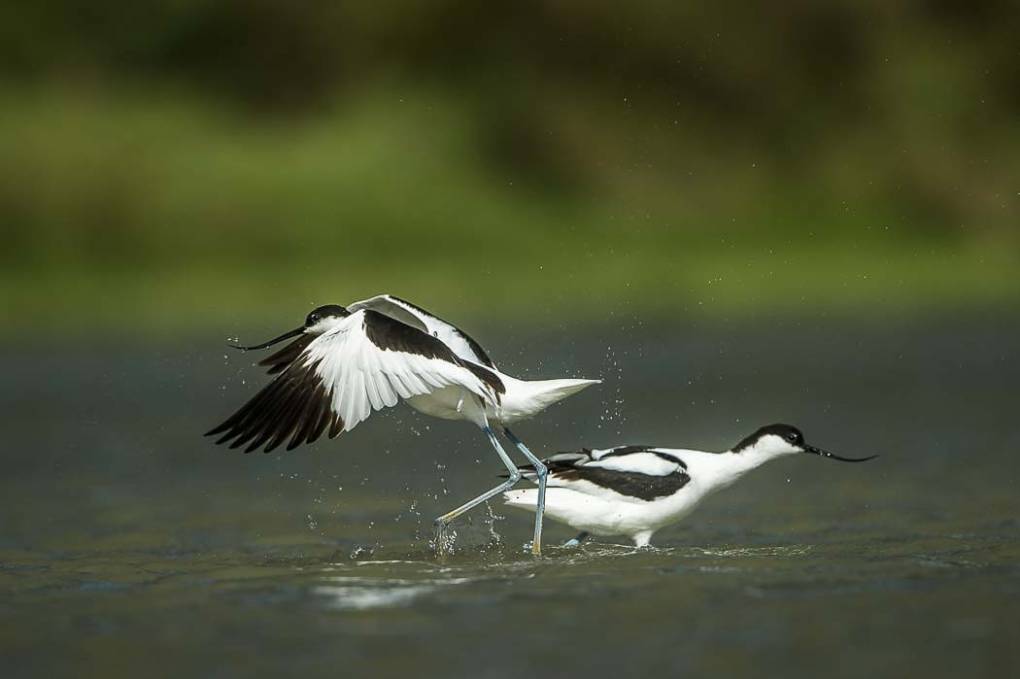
722,153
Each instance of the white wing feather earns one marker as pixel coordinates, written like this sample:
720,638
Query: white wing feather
405,312
360,377
649,464
638,462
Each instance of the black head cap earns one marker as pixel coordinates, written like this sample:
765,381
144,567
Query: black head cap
325,311
788,433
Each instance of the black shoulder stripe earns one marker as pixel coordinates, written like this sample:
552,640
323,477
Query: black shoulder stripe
558,462
391,335
669,458
414,306
557,466
475,346
631,484
631,450
485,375
626,450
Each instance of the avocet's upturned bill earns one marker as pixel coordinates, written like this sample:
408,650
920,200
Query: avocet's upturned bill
636,490
347,362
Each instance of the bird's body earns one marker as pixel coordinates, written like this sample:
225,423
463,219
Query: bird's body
347,362
630,497
636,490
521,399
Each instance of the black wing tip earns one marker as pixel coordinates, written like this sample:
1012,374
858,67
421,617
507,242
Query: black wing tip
280,360
293,409
332,426
224,429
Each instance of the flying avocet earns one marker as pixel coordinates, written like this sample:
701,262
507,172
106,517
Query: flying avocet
636,490
350,361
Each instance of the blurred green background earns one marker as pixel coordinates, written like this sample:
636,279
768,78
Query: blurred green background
173,165
733,213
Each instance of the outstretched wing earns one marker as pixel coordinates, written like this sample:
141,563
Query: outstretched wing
634,472
282,359
368,362
459,341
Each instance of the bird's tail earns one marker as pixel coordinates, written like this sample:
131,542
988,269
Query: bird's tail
557,390
524,498
527,398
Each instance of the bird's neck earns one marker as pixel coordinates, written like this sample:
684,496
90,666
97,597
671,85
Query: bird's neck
734,465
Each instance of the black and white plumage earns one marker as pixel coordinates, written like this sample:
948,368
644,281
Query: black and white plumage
636,490
639,472
346,362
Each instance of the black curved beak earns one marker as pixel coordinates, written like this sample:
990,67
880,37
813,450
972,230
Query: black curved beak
825,453
287,335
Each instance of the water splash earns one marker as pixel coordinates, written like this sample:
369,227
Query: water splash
443,540
495,539
612,416
361,552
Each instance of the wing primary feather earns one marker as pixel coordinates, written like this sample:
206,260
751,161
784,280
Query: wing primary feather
282,359
309,418
282,430
324,418
289,420
292,403
311,401
260,430
261,417
336,426
241,412
244,413
318,423
259,441
266,427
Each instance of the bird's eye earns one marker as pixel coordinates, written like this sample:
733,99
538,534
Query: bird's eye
792,436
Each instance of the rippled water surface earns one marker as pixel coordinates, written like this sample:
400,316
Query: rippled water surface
130,546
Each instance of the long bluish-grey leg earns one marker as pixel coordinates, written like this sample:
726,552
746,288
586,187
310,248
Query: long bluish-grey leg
515,475
542,473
